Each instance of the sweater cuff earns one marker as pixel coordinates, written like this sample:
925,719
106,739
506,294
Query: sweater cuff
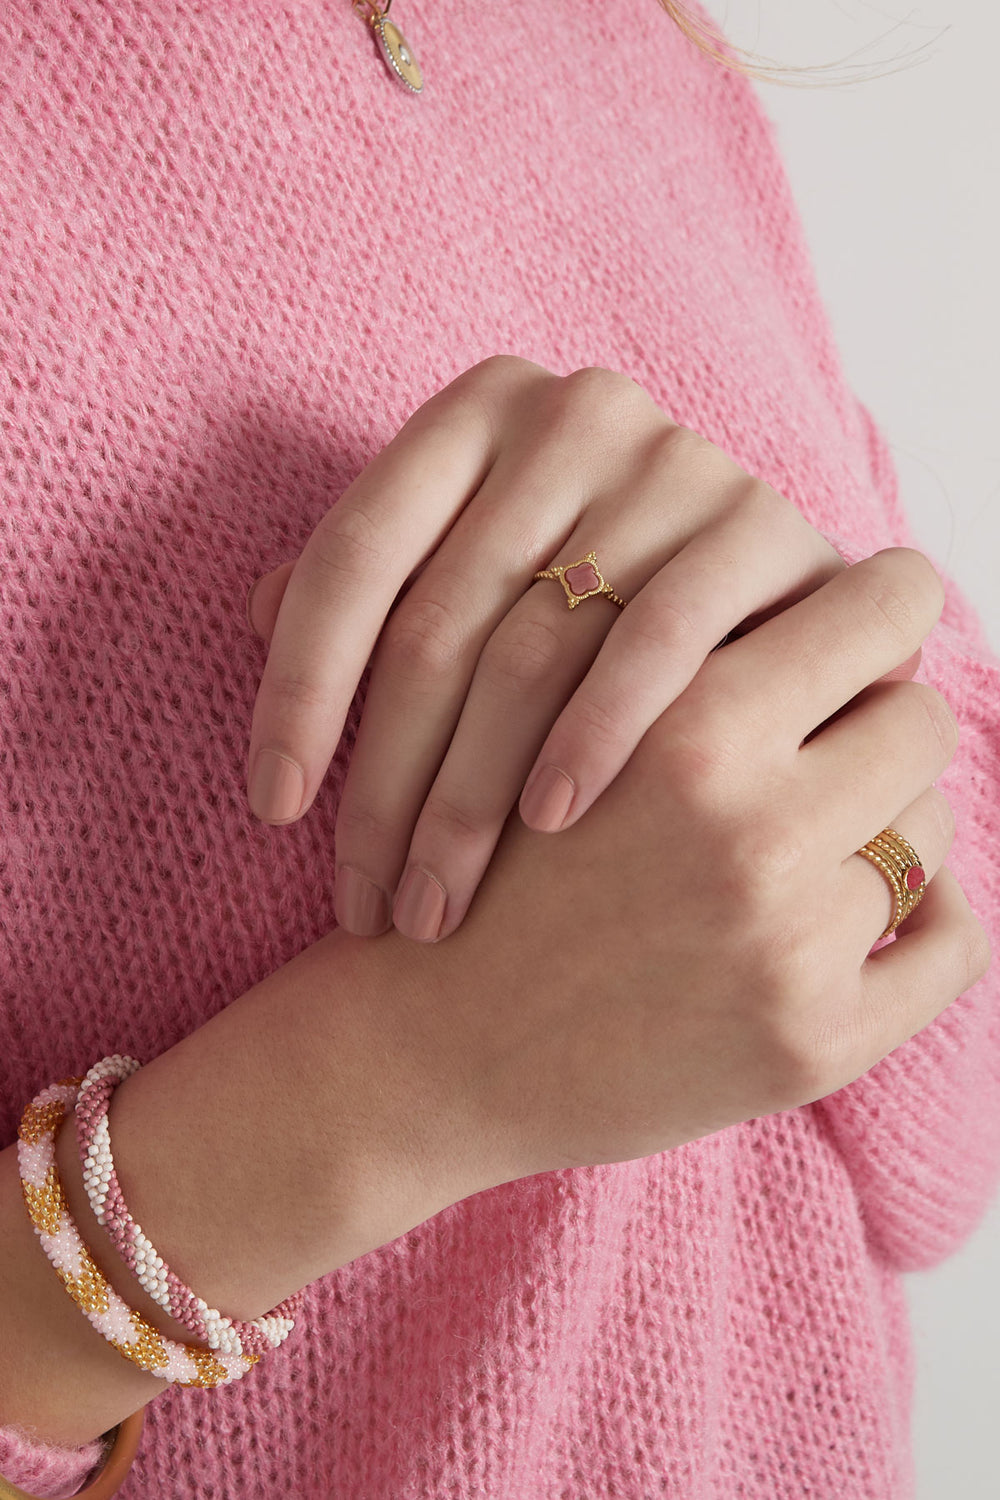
46,1471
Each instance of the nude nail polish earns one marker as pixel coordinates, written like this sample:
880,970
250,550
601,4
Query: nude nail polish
546,799
419,908
360,905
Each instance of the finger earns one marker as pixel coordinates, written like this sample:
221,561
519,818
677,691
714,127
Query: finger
429,652
264,600
526,673
793,672
537,656
757,557
888,746
939,952
934,957
343,586
928,825
432,776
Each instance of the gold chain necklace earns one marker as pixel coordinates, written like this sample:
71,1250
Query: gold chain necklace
397,54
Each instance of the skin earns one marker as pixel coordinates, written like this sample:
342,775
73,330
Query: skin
668,978
685,981
477,682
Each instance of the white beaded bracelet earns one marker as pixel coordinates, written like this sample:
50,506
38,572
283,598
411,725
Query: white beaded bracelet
233,1336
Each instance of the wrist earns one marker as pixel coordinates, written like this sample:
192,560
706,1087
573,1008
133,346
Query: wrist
288,1136
297,1130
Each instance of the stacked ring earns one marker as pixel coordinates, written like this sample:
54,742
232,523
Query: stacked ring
900,863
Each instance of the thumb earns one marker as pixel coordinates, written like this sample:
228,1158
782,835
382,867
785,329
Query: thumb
264,600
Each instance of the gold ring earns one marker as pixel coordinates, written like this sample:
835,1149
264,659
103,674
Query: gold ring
582,580
900,863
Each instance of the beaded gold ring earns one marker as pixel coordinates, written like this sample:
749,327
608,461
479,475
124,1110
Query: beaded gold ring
900,863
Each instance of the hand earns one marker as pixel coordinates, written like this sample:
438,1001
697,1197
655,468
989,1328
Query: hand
695,950
479,678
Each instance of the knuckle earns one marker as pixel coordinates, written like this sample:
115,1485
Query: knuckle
598,381
700,757
454,820
604,396
360,826
768,854
485,389
790,994
422,640
504,367
773,514
302,695
351,543
704,463
523,653
593,722
660,620
828,1047
757,863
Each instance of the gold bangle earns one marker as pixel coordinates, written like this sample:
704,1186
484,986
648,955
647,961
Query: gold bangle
119,1460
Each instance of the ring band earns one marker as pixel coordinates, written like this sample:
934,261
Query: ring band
900,863
582,580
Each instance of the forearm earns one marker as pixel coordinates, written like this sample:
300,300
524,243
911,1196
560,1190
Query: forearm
283,1139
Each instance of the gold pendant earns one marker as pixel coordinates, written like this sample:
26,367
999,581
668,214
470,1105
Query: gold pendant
397,54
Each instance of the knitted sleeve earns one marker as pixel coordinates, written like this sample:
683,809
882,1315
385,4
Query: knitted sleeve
45,1471
920,1132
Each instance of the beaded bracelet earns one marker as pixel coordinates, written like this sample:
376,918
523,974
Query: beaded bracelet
150,1269
123,1327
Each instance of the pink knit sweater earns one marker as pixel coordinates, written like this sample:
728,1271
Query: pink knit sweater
236,257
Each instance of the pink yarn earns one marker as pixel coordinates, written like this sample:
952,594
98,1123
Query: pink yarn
92,1130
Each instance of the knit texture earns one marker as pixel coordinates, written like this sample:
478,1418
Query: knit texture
236,257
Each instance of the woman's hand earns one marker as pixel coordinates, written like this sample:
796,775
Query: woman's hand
695,950
481,681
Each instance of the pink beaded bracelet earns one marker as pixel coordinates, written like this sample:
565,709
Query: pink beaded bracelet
123,1327
229,1335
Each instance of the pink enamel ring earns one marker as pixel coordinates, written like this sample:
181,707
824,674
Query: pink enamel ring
581,580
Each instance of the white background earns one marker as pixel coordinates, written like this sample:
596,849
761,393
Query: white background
897,180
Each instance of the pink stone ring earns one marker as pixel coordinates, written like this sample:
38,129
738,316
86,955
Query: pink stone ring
581,580
900,863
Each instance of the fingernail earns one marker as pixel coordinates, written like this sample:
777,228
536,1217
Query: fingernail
253,590
359,904
277,787
546,799
419,908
